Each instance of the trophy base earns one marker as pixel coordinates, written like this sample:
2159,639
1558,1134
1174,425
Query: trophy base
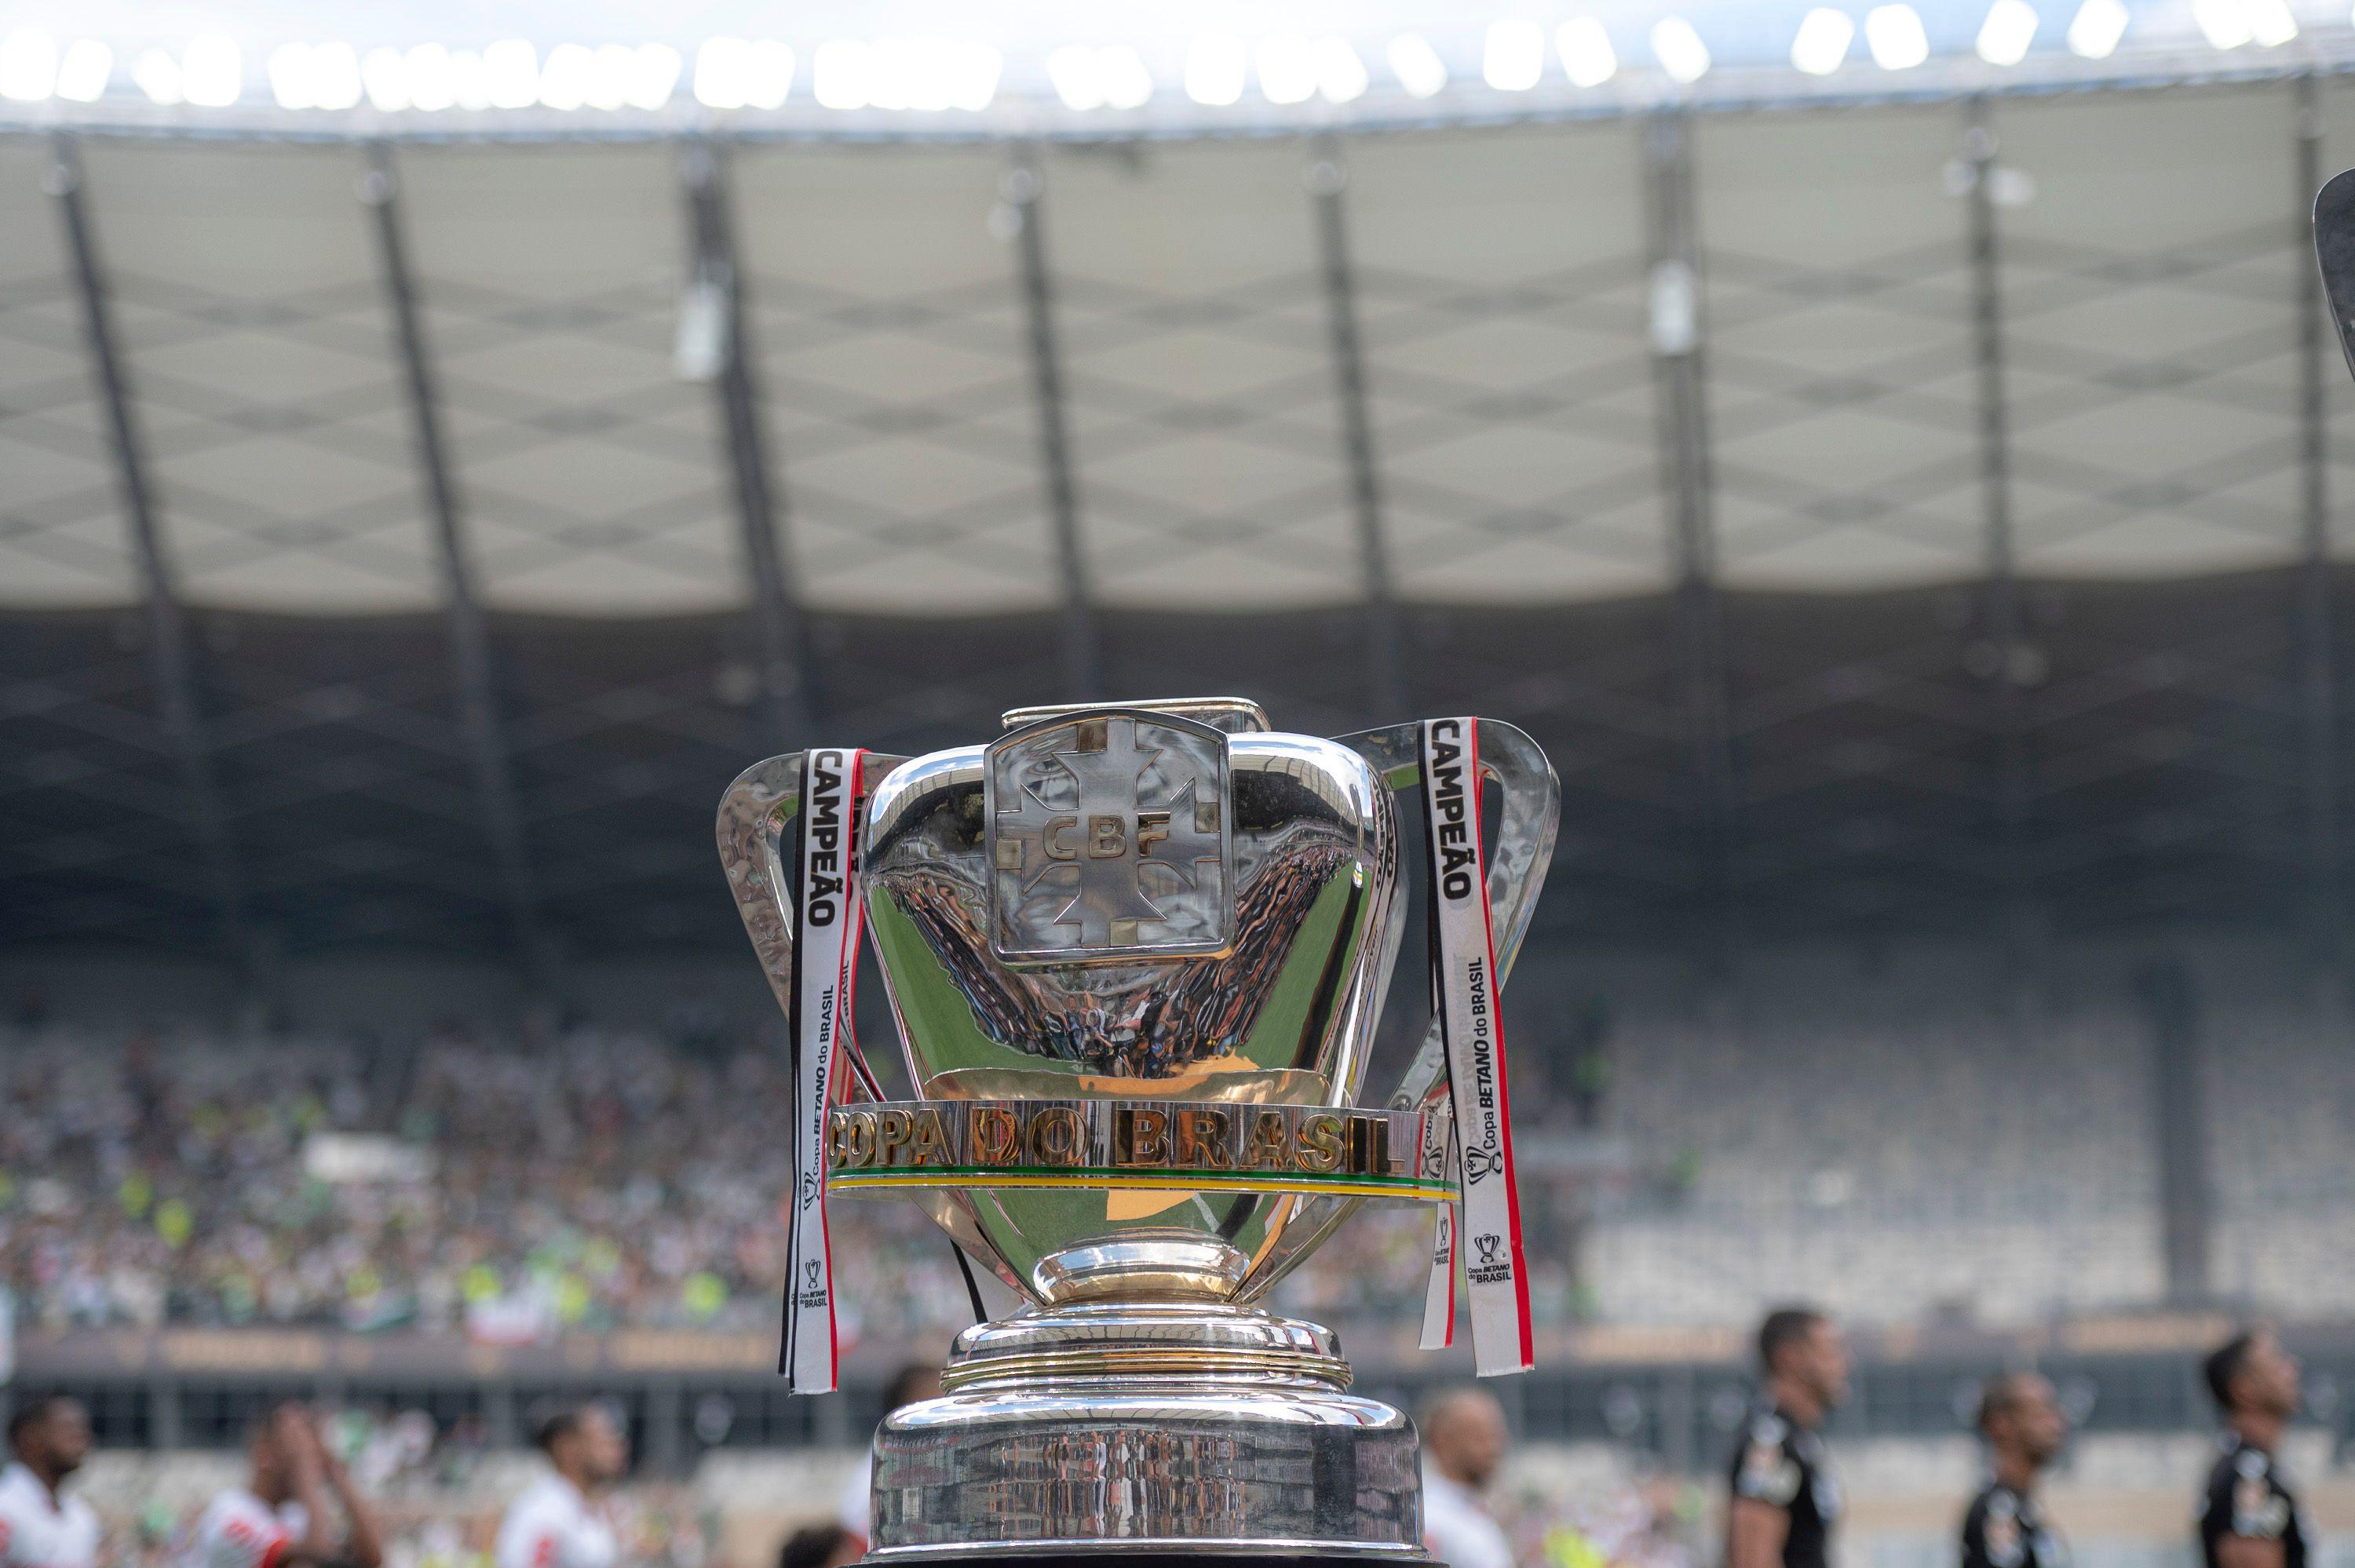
1161,1429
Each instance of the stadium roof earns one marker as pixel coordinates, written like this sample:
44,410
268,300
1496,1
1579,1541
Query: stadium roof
932,68
1900,515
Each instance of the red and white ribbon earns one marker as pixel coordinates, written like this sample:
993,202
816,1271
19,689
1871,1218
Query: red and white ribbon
1463,985
828,918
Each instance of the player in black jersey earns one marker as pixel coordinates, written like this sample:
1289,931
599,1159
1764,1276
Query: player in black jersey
2248,1518
1785,1500
2024,1428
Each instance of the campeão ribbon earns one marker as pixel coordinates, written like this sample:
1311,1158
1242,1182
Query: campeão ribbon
1438,1293
1488,1233
828,918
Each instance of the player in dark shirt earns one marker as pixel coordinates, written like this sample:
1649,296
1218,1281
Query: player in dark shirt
2248,1517
1785,1500
2024,1429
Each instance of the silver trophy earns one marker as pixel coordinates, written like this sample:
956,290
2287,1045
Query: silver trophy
1136,954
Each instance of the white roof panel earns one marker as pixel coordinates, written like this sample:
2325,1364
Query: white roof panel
63,537
895,372
257,344
1501,287
1199,374
2151,299
1842,405
592,477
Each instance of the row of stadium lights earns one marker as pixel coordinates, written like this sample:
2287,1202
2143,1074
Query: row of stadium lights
939,74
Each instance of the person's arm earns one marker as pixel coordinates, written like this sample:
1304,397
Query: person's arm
363,1538
307,1462
1758,1518
526,1540
1755,1533
2250,1552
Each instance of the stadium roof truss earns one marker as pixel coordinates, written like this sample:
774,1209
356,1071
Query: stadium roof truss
1893,517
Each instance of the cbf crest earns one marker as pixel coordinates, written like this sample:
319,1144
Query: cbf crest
1109,837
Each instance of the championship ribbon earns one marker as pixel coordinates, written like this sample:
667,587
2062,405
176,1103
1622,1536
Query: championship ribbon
1464,1001
1439,1294
828,918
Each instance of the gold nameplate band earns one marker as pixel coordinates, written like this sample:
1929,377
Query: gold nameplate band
1140,1144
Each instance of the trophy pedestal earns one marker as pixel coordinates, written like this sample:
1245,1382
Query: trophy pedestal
1121,1429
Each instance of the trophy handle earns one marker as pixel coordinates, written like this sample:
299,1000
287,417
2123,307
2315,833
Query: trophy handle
1517,859
758,810
755,814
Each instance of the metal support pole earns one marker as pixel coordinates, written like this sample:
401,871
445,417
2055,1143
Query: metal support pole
2169,995
479,719
167,1426
1385,669
789,686
1676,330
2005,655
170,658
2318,680
1026,187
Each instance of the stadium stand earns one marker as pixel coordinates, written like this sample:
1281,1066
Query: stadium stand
1908,1154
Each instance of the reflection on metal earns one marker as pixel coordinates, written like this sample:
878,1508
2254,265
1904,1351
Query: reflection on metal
1134,1145
1068,877
170,661
2317,682
1385,673
1272,1462
1679,351
1025,187
789,694
2002,627
470,643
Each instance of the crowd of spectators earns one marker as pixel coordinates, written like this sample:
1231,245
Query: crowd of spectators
1910,1160
585,1179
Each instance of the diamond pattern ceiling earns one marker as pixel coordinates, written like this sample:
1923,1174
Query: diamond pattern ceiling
2148,747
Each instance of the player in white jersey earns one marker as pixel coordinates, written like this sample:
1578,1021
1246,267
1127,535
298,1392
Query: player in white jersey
560,1520
281,1518
40,1527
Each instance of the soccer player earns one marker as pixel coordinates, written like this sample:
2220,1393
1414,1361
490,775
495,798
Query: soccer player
2248,1518
279,1517
2024,1428
1787,1501
1463,1446
558,1521
40,1527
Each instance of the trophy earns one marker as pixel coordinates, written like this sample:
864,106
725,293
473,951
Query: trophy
1137,953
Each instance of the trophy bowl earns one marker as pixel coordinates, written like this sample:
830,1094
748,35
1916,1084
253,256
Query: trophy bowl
1137,953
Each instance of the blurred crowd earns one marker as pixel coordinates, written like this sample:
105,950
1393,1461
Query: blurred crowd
507,1187
513,1185
510,1187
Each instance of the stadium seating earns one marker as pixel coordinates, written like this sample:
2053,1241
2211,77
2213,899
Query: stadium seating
1901,1159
